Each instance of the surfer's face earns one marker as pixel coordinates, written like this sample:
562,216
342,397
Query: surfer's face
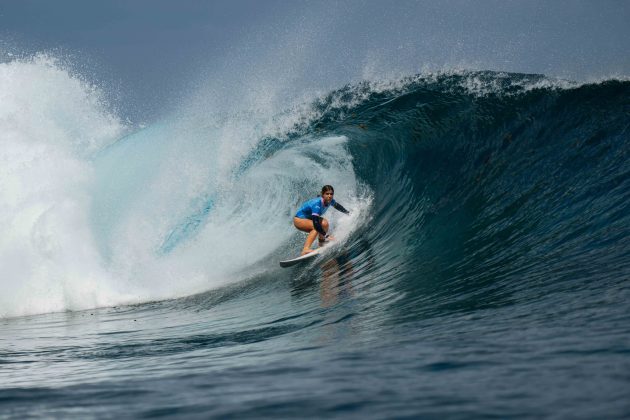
328,196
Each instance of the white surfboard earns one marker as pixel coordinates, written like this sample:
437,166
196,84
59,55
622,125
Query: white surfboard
301,258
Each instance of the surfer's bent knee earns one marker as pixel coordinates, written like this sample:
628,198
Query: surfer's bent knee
304,225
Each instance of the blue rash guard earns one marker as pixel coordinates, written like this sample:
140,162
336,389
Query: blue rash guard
314,209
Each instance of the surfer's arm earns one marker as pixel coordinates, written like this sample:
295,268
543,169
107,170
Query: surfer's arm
317,224
339,207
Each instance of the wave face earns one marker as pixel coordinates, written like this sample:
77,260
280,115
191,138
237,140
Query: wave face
487,250
490,188
475,179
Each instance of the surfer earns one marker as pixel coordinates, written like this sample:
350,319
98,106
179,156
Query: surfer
309,217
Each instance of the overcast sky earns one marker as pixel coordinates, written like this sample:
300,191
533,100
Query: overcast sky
152,49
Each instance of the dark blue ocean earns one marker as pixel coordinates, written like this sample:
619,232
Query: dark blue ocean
484,271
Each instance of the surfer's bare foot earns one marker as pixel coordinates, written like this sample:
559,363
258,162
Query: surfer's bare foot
307,251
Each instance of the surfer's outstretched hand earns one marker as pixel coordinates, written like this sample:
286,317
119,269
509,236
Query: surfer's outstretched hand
307,251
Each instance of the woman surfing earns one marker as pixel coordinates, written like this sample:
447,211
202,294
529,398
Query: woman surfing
309,217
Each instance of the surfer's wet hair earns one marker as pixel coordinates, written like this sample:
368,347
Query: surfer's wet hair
327,188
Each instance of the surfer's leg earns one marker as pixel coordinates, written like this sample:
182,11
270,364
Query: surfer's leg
322,239
312,235
309,242
306,225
